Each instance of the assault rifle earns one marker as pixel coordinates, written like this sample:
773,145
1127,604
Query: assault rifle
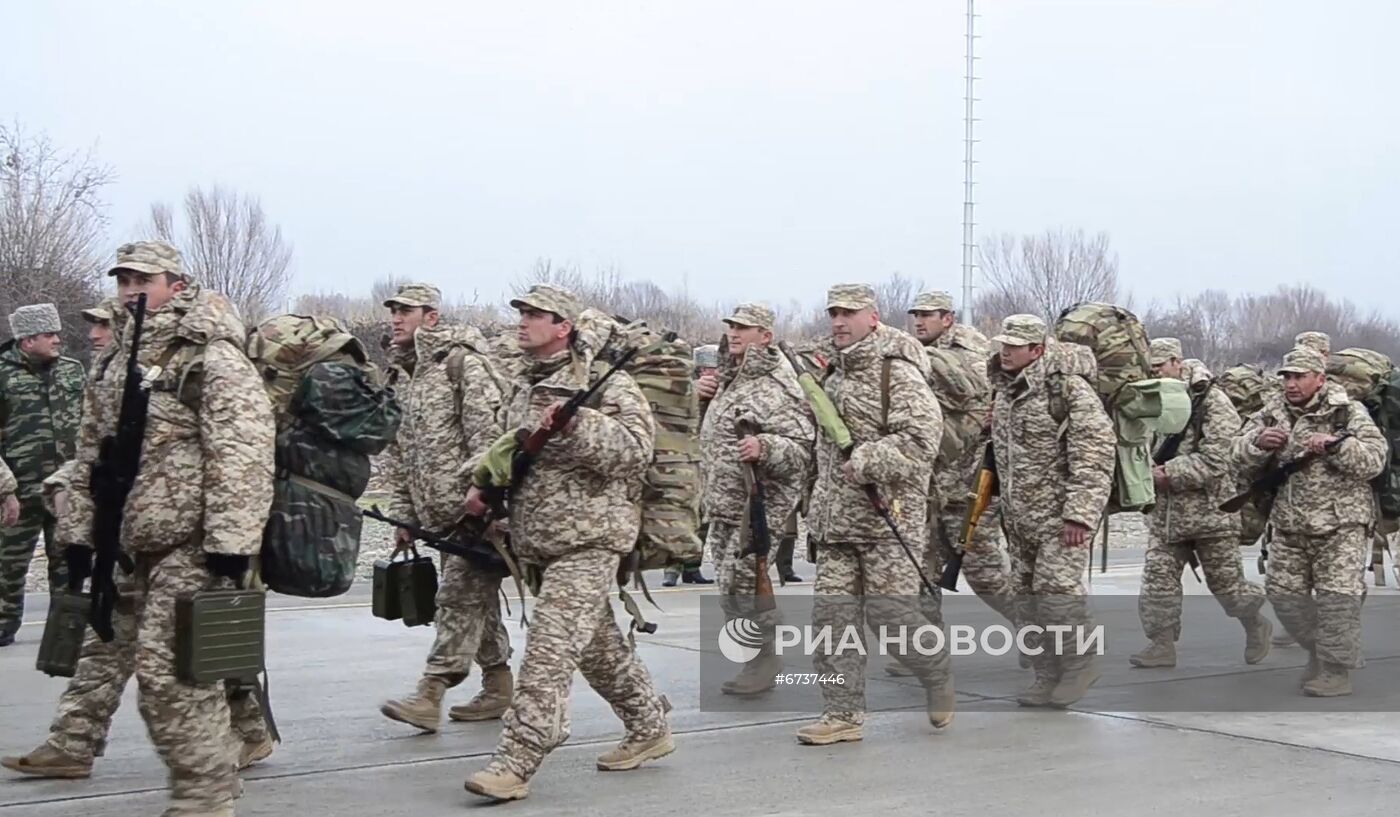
836,432
760,542
113,475
474,550
984,487
1266,486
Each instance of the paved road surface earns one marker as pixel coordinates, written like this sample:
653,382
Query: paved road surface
332,664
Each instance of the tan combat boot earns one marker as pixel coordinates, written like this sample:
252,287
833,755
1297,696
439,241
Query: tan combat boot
828,731
497,688
1284,639
631,753
1047,675
1333,680
941,700
47,761
254,751
1257,632
422,709
1160,653
498,784
756,677
1080,673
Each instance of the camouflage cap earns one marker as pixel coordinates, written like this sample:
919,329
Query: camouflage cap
935,301
751,314
550,298
102,313
149,258
1303,360
35,319
1317,341
707,357
412,295
1166,349
1021,330
850,296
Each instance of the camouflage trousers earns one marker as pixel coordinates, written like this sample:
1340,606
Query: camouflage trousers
468,622
1048,580
874,586
1159,604
984,564
574,628
187,722
16,552
85,709
737,577
1316,586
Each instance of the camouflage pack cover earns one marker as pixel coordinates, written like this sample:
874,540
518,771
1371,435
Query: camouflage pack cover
1116,337
671,488
1358,370
333,414
1246,386
1371,379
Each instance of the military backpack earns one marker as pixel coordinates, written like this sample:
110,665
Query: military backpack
1373,381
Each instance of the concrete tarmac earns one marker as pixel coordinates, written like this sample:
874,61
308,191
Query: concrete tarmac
331,664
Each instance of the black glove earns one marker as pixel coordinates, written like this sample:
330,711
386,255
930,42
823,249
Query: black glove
226,566
79,561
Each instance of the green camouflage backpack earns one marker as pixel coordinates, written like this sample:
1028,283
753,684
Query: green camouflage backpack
1246,386
962,396
1371,380
333,413
1117,339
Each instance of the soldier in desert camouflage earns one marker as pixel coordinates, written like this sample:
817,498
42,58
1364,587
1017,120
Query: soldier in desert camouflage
1322,516
757,417
450,393
878,384
572,518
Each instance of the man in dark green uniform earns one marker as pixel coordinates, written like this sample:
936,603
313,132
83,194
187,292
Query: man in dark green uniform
41,398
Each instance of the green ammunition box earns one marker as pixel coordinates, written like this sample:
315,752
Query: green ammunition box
219,635
64,631
418,591
385,598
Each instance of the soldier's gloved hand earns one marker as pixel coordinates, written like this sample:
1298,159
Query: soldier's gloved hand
79,561
227,566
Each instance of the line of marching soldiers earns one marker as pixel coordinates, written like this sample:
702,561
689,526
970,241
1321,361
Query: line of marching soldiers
887,488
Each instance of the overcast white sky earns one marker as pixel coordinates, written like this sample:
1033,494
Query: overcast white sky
755,149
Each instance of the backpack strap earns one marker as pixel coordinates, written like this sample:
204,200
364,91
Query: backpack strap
885,367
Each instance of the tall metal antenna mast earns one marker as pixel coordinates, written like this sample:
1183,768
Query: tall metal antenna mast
969,247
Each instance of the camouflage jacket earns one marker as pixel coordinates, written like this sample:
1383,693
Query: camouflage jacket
894,451
1202,474
39,412
584,491
762,389
964,415
1329,493
451,396
1049,475
207,465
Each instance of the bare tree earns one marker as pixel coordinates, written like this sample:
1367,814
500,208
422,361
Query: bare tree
230,247
1044,274
52,228
894,296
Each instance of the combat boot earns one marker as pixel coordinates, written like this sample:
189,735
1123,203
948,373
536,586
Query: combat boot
694,576
422,709
631,753
898,670
253,751
1333,680
1080,674
1284,639
497,688
1047,675
828,731
1312,670
757,676
1257,632
1160,653
941,701
498,784
47,761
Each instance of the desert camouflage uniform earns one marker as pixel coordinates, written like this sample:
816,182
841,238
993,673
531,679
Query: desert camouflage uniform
204,487
984,565
1050,474
1322,519
1187,518
762,390
39,412
864,576
451,394
571,520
